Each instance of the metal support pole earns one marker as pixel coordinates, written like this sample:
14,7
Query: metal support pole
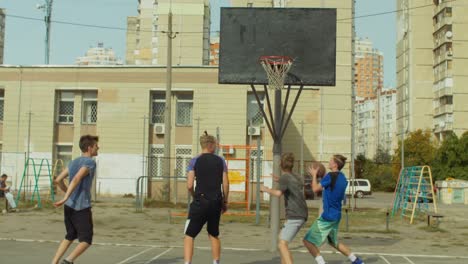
251,173
257,204
274,201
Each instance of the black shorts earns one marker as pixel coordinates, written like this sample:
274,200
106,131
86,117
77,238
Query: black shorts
79,224
204,211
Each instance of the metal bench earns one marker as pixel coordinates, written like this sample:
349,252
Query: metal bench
437,217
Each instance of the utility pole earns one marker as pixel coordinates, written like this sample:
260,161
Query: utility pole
167,113
47,7
353,100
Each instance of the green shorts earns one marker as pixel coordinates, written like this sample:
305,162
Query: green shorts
322,229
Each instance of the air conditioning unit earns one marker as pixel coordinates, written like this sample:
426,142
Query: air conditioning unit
254,131
159,129
227,150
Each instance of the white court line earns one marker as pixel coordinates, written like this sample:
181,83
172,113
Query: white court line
134,256
245,249
384,259
156,257
409,260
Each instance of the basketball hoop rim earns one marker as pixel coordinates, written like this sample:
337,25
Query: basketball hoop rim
276,60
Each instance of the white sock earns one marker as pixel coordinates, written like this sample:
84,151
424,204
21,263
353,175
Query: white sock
352,257
216,261
187,262
320,260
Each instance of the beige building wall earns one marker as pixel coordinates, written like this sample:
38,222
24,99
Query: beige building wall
450,40
414,66
124,99
430,53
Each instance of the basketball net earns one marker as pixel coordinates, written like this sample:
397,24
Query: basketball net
276,68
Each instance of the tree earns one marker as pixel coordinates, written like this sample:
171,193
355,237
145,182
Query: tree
419,150
451,159
382,156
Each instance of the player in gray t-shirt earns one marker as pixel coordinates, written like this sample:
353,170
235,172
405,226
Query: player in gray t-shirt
292,187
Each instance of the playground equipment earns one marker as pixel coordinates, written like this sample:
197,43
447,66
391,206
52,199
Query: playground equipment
42,177
414,193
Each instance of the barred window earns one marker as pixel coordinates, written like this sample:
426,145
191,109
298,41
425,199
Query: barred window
183,157
158,108
90,107
66,107
184,109
254,111
156,161
2,104
64,153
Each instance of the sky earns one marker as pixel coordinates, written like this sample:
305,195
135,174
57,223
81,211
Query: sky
25,38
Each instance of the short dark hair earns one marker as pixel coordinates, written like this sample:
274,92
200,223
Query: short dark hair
87,141
287,161
3,175
340,160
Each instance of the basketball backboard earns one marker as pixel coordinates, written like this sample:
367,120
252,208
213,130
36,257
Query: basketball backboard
308,35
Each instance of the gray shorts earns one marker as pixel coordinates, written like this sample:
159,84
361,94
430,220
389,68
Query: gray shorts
290,229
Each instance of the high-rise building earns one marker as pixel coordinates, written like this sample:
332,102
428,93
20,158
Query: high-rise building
147,35
387,140
99,56
431,66
2,33
214,51
368,69
450,72
376,123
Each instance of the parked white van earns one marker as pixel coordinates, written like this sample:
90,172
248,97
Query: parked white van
361,187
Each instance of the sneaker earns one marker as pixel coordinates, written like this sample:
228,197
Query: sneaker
64,261
358,261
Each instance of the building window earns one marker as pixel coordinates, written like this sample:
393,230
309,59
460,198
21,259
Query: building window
253,164
90,107
254,111
64,153
184,109
158,108
183,157
2,104
156,161
66,107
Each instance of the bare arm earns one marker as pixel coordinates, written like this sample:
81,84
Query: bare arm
59,180
316,187
225,187
82,173
273,192
190,182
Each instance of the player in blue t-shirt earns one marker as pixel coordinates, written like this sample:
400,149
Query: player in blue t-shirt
333,187
77,200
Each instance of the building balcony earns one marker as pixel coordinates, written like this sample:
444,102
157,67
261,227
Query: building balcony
443,92
444,109
442,127
442,22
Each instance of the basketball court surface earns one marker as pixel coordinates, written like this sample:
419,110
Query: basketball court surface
20,251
